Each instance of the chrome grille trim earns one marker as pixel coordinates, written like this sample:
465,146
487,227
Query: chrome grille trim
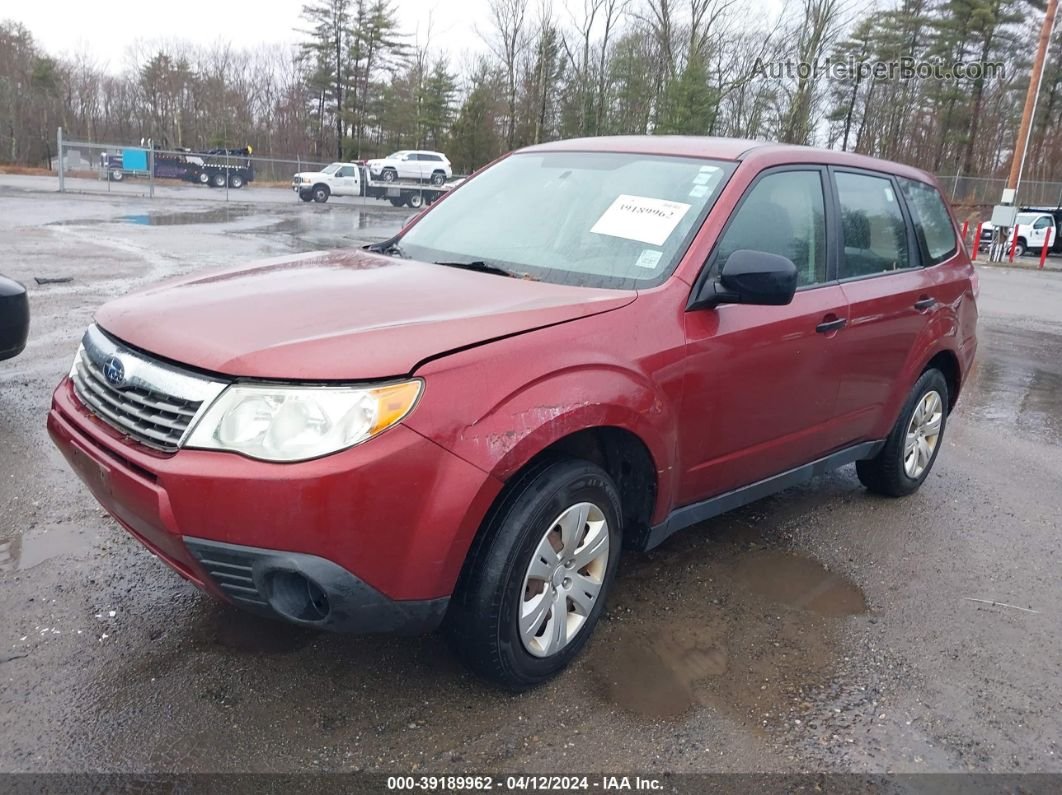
157,404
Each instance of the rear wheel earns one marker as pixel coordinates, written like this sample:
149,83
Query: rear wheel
536,580
218,179
911,448
438,178
236,181
415,200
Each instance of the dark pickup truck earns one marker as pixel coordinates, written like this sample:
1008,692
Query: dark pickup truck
14,318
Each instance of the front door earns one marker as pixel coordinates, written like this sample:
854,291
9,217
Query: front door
761,381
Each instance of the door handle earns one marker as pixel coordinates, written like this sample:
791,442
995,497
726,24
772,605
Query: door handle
922,304
826,326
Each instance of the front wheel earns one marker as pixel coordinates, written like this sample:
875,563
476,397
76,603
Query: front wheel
389,175
536,580
912,447
306,195
320,194
1020,248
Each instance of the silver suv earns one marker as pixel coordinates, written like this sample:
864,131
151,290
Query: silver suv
421,165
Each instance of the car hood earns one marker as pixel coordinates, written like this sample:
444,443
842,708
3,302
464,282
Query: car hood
310,175
344,315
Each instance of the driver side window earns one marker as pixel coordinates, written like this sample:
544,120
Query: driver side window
783,214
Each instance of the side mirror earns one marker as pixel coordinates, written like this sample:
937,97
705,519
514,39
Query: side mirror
749,277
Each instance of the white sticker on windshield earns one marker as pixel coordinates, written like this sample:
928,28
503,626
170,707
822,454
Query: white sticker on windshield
888,195
698,191
702,178
649,258
641,218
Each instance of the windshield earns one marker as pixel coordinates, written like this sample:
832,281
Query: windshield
1028,218
331,169
396,155
597,219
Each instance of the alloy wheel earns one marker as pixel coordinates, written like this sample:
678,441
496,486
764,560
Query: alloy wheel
563,579
923,434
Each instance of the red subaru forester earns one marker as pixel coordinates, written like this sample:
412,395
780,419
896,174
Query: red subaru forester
589,345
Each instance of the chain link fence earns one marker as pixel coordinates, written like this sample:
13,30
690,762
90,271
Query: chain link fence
989,190
229,175
239,174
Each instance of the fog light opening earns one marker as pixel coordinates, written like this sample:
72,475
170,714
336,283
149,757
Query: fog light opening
296,596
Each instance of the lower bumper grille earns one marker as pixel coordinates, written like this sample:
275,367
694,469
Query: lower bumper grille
231,572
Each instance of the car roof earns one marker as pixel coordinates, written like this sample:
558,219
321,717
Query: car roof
759,153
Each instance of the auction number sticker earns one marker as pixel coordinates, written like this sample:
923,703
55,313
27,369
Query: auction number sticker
641,218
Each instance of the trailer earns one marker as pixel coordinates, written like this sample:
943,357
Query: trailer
215,167
354,179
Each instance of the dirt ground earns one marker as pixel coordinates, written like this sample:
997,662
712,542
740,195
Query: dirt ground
822,629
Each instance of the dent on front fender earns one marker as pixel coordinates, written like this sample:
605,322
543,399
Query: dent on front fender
504,437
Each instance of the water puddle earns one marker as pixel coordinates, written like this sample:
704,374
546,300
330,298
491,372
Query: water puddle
218,215
1015,384
22,552
722,623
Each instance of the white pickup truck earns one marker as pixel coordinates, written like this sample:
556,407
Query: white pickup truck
351,179
1033,227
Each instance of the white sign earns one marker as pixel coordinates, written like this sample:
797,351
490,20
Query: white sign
640,218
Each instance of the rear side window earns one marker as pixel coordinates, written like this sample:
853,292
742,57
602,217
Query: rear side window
783,214
931,219
875,234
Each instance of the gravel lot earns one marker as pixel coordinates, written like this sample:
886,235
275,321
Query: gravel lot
820,630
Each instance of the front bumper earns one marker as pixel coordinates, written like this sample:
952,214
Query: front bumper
382,529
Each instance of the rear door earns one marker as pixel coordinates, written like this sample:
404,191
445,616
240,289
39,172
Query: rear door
761,381
892,297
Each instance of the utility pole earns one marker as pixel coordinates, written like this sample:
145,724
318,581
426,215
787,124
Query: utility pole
1003,232
1017,165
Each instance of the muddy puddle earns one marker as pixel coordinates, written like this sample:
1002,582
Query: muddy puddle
21,552
717,620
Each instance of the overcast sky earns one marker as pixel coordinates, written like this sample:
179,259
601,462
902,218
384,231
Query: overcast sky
105,28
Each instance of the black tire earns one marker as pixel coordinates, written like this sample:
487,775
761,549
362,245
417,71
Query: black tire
415,200
482,621
397,202
306,195
1020,248
321,193
236,181
389,175
438,178
885,473
217,179
203,178
117,176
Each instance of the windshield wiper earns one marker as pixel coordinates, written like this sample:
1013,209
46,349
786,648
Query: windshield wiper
389,246
480,266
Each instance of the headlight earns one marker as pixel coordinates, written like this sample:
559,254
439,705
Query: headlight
288,423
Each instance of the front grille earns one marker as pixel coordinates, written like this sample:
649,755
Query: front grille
152,402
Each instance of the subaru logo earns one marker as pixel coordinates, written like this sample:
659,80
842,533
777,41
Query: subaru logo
114,371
